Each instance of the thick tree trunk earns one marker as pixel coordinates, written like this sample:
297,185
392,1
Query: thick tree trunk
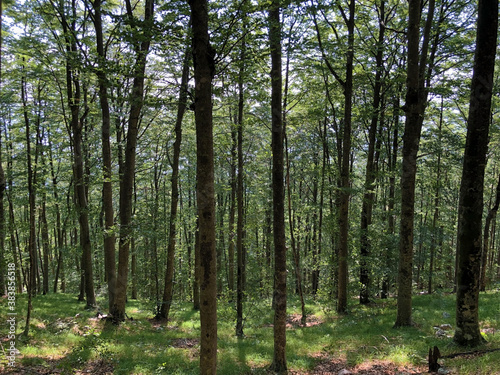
470,207
279,364
411,139
169,273
204,70
128,176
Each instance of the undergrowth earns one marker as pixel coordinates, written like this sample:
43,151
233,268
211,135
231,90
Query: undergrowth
67,338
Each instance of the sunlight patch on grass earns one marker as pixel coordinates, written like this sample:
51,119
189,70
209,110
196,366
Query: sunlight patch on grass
401,355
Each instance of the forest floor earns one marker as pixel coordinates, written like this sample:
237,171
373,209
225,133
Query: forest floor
67,339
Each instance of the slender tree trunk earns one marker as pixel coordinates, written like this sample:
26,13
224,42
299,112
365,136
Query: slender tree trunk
295,250
370,177
76,135
393,157
45,246
128,176
240,249
232,208
279,364
204,70
324,138
470,207
197,268
31,279
107,187
2,186
345,168
489,223
181,109
437,196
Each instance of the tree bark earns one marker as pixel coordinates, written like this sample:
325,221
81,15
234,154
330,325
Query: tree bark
279,364
2,187
204,70
345,169
240,249
128,176
370,176
470,207
411,140
76,135
107,186
436,232
31,279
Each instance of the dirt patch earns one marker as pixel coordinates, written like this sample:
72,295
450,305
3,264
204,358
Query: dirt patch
335,366
293,321
185,343
158,322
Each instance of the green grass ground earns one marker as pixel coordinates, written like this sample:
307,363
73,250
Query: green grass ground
67,339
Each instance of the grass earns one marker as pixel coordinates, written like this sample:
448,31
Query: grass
66,337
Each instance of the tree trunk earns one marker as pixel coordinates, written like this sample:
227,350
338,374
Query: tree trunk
45,246
345,169
107,187
76,135
232,209
128,176
3,265
490,219
411,139
370,177
240,249
204,70
169,273
31,279
470,207
279,364
437,196
2,187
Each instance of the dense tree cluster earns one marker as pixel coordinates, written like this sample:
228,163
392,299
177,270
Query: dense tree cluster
155,149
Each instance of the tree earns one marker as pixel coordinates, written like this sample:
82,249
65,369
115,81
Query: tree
240,255
107,186
181,109
279,297
416,98
141,49
471,188
31,279
204,70
344,150
370,176
2,185
76,128
490,219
